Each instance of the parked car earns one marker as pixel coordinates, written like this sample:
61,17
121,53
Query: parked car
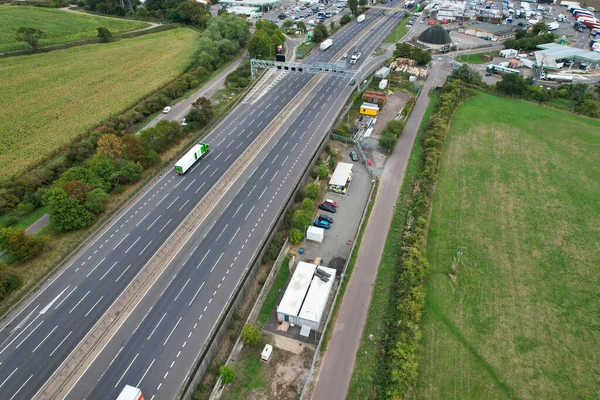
326,218
331,202
166,110
319,223
282,16
328,208
353,156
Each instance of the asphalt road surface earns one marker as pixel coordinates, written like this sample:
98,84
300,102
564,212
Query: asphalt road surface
41,334
338,363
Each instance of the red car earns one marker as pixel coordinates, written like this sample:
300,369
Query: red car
331,202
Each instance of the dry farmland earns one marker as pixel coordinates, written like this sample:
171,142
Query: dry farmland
519,189
48,99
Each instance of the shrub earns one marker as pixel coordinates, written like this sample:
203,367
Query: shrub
251,335
296,236
388,141
227,374
345,19
331,163
9,281
20,245
301,219
105,35
66,214
308,206
95,201
313,191
299,196
322,171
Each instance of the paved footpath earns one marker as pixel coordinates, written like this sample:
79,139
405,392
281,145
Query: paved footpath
337,366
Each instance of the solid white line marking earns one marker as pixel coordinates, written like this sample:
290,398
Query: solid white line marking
43,340
249,212
93,269
43,311
214,172
263,174
161,229
178,294
66,297
143,376
79,301
122,273
153,222
211,270
152,333
188,186
173,202
94,306
238,209
134,358
203,258
197,190
145,248
60,344
179,183
125,237
218,237
173,330
34,329
194,298
263,192
236,232
161,200
136,240
181,208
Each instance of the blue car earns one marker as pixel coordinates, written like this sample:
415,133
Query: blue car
319,223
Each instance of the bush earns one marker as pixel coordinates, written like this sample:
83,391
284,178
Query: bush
331,163
345,19
388,141
308,206
302,219
322,171
18,244
296,236
9,281
95,201
313,191
299,196
251,335
227,374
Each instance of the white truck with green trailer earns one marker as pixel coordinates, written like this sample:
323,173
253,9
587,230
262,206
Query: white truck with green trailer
189,159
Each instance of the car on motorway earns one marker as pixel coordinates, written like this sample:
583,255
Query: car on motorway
166,110
354,156
326,218
331,202
352,82
327,207
320,223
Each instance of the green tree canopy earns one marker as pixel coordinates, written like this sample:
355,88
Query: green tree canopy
260,45
104,34
66,214
31,36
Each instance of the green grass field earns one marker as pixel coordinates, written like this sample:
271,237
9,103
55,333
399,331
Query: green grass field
47,99
60,26
476,58
519,188
398,32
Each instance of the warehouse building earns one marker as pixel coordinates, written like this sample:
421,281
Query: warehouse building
263,5
490,31
305,299
341,178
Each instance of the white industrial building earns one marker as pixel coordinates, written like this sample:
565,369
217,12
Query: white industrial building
451,10
341,178
306,296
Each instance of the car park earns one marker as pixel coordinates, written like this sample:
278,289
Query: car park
327,207
326,218
331,202
354,156
166,110
320,223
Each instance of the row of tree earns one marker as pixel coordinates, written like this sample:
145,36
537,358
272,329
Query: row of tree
530,39
265,41
406,50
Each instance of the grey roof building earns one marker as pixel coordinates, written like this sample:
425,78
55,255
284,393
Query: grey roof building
435,37
494,32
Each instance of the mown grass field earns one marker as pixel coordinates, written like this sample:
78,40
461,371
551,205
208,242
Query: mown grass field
476,58
519,188
47,99
60,26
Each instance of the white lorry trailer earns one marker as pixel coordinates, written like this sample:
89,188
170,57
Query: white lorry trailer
130,393
197,152
326,44
360,18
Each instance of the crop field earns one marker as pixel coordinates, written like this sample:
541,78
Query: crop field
518,188
58,25
48,99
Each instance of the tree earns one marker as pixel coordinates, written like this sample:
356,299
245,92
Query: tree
227,374
259,45
395,126
66,214
18,244
302,26
192,13
513,85
590,108
77,189
362,3
105,35
296,236
388,141
251,335
353,5
308,206
345,19
31,36
467,75
322,171
102,167
317,36
132,148
287,24
332,25
95,201
203,104
109,145
130,172
301,220
9,280
539,27
313,191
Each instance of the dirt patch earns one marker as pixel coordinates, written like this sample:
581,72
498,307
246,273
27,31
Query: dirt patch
289,372
393,105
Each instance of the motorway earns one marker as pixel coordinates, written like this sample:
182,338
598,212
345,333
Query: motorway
191,295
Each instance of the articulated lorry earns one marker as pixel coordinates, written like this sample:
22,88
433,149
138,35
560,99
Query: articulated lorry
130,393
189,159
326,44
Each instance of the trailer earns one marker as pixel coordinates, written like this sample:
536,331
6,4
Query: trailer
315,234
360,18
326,44
191,157
560,78
130,393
